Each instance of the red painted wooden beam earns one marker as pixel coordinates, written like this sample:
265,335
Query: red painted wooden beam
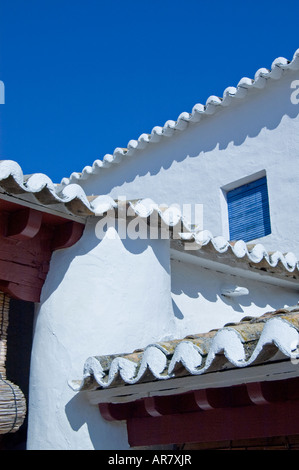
24,223
221,424
201,399
256,393
21,292
152,407
245,411
27,240
115,412
66,235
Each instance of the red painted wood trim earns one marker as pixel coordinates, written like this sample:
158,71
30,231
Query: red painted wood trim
21,292
105,410
67,235
256,393
115,412
27,240
265,409
24,224
216,425
201,400
151,407
18,273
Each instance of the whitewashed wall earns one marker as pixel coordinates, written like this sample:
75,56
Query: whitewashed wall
114,296
199,306
256,135
100,297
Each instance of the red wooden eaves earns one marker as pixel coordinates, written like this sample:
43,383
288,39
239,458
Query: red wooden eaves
27,240
264,409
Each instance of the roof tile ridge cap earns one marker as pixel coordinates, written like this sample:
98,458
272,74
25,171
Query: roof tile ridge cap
102,204
93,367
11,168
258,253
288,260
212,102
32,183
273,331
153,358
232,348
170,215
276,330
74,191
227,340
240,249
37,182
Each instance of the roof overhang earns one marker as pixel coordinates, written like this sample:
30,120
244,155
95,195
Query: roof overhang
255,349
39,194
278,370
216,397
28,237
228,263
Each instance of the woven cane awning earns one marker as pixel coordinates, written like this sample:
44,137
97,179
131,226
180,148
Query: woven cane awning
12,400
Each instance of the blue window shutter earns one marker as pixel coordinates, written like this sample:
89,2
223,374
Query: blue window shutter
248,211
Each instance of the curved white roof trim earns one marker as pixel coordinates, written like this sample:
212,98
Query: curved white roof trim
74,200
197,354
241,249
13,181
199,110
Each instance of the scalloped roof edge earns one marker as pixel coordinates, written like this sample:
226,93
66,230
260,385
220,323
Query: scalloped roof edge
74,200
279,65
197,354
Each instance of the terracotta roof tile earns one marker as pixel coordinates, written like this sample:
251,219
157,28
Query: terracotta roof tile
237,345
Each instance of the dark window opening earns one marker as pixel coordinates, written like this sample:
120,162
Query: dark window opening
19,344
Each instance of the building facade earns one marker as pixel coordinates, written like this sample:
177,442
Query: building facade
164,280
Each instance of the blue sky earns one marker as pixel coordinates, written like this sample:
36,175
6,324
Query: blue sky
84,77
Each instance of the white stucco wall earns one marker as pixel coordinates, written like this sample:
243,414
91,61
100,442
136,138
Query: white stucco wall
258,134
113,296
199,306
100,297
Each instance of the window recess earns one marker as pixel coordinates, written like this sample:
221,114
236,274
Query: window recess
248,211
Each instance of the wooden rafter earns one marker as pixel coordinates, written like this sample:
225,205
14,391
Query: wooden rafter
27,240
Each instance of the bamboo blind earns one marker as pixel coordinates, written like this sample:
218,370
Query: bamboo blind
12,400
4,314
